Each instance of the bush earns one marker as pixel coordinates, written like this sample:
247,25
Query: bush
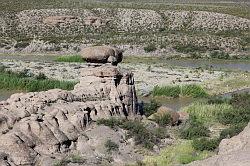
41,76
193,90
205,144
150,48
135,129
219,55
232,131
163,120
234,116
111,146
112,122
194,129
150,108
189,48
241,101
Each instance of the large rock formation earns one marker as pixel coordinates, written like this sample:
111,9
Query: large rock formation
37,125
102,54
234,152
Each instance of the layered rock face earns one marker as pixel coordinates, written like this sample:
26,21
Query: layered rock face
39,124
234,152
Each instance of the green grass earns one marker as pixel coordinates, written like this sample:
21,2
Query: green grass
18,81
177,91
70,58
207,113
179,153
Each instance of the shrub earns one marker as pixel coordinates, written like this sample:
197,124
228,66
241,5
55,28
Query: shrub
193,90
205,144
219,55
70,58
150,108
135,129
163,120
194,129
234,116
112,122
160,133
189,48
41,76
150,48
241,101
232,131
111,146
140,133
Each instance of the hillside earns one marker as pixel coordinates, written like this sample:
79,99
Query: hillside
182,28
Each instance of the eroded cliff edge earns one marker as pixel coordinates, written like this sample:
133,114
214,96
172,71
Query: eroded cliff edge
41,125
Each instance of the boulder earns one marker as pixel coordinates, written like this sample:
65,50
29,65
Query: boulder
165,110
102,54
56,20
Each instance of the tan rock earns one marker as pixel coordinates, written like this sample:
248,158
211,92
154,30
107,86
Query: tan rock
165,110
102,54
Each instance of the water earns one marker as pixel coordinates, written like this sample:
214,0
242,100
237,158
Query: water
241,65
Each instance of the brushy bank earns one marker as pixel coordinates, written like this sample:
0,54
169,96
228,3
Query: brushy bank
21,81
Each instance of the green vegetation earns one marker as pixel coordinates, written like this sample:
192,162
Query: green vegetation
135,129
70,159
219,55
207,113
179,153
202,144
194,129
176,91
150,108
150,48
70,58
21,81
163,120
111,146
232,131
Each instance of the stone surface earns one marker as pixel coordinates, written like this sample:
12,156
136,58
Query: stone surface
53,123
102,54
234,152
163,110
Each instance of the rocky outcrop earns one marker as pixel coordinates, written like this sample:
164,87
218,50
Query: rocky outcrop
234,151
102,54
37,125
162,111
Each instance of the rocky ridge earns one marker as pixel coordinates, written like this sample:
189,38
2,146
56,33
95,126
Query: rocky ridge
40,127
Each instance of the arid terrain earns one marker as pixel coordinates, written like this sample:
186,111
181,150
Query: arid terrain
133,83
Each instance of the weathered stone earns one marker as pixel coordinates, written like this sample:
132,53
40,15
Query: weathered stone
38,124
165,110
102,54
